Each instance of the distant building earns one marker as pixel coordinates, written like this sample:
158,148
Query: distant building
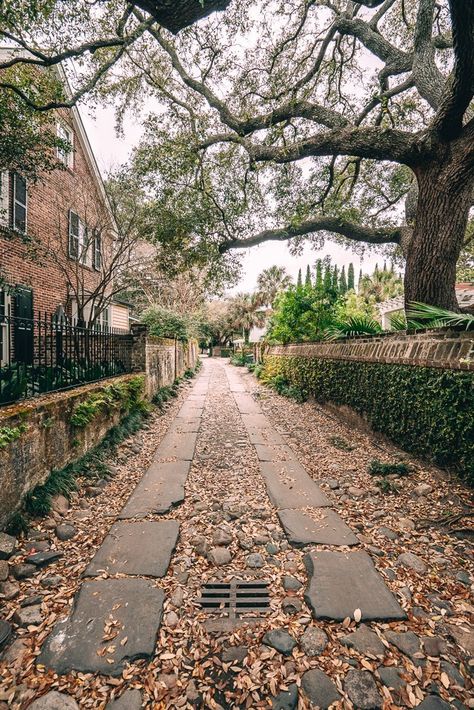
393,306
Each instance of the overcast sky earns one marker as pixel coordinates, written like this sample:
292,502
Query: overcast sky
111,151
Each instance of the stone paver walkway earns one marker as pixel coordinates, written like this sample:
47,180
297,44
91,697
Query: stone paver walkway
227,498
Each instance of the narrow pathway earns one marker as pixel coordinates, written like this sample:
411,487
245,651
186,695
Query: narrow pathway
227,499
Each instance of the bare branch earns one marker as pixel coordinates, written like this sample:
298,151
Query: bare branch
399,62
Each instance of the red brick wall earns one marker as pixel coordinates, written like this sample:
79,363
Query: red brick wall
41,265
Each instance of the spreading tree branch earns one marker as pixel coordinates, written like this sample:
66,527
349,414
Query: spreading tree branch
351,230
89,85
460,89
367,142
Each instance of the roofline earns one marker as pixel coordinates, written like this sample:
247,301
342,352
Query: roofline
86,144
81,130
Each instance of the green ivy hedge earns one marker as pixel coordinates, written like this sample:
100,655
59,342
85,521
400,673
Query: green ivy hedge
424,410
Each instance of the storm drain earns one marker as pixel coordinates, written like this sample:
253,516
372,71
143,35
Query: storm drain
235,598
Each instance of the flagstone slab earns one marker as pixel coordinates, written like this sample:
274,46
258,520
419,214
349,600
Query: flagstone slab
323,526
161,488
136,548
291,490
246,403
290,470
135,607
198,400
176,445
200,391
274,452
255,421
188,425
341,582
190,410
266,437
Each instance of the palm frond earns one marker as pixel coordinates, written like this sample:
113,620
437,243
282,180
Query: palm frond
398,321
426,316
356,325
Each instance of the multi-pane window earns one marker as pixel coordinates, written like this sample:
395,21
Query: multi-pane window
79,247
65,155
19,216
101,319
4,198
97,257
73,235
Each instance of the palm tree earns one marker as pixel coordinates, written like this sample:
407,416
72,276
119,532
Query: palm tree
246,313
382,285
271,282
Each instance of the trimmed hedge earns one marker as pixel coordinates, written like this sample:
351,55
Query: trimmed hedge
427,411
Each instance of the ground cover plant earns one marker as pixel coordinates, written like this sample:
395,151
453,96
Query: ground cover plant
427,411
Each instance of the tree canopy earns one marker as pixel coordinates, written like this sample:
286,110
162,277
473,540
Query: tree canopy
296,119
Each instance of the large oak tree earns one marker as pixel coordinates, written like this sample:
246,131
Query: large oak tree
326,116
292,119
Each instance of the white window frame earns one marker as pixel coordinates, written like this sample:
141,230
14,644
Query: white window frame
97,250
82,250
84,246
5,328
16,202
64,132
73,237
102,322
4,198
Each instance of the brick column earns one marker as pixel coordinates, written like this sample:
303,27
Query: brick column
139,336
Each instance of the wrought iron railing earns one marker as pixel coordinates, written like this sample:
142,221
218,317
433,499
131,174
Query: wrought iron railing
45,354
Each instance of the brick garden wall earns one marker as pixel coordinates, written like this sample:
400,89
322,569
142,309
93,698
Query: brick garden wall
50,442
444,348
417,389
162,359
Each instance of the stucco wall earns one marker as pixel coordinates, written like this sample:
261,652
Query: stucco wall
162,359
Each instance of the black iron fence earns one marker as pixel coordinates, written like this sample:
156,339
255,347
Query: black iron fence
45,354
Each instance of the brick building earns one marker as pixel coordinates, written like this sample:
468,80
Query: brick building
57,238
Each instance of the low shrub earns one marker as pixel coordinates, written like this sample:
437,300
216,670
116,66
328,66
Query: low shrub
387,487
427,411
241,359
339,443
163,395
258,370
281,385
377,468
17,524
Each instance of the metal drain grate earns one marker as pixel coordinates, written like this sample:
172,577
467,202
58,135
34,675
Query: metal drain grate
235,597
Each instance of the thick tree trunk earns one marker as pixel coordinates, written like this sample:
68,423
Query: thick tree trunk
444,198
